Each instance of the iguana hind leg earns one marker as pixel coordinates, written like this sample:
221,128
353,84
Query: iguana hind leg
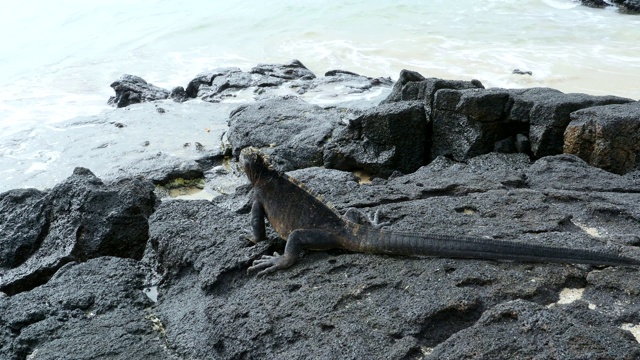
296,242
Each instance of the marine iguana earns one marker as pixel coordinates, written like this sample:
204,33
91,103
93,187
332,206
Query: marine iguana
306,222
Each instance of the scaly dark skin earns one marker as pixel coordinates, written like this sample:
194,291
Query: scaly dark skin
308,224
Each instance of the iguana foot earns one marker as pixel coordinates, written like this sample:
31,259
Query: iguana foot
359,217
375,220
269,264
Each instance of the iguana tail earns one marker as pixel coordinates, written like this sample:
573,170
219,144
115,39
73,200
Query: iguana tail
481,248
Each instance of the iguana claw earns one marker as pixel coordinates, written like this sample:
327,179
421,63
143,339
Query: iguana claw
248,236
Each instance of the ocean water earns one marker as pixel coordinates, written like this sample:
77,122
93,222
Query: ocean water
57,59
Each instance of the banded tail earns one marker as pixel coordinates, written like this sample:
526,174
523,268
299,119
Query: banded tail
481,248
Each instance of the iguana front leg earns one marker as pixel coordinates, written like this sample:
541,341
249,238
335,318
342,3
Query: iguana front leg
297,241
258,230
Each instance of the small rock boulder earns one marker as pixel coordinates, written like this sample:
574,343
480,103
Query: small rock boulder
597,4
131,89
291,130
218,84
388,137
178,94
606,136
289,71
628,6
547,113
470,122
413,86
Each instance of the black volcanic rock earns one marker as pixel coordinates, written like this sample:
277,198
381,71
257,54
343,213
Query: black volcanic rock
178,94
383,139
69,293
598,4
628,6
291,130
413,86
205,80
398,306
534,331
547,111
606,136
23,220
92,310
467,123
289,71
131,89
79,219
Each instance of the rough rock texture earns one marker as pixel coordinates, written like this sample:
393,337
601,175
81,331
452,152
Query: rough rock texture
628,6
547,113
467,123
178,94
381,140
470,122
392,136
521,329
337,304
269,80
215,84
413,86
606,136
79,219
459,119
292,130
350,82
598,4
131,89
93,310
290,71
23,225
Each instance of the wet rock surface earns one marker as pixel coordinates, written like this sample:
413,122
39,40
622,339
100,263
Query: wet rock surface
165,140
131,89
269,80
159,141
449,157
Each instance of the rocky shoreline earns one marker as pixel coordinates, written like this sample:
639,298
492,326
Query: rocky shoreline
624,6
433,155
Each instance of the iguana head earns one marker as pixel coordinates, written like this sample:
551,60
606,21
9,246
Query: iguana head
255,163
